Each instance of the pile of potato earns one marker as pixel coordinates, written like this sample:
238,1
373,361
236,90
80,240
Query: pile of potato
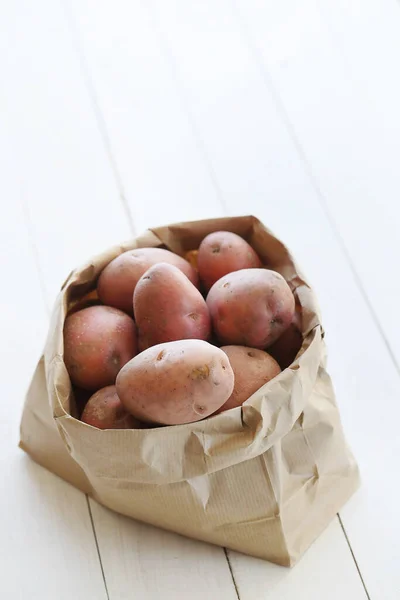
173,341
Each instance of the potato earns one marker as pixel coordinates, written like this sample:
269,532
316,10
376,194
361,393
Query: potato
252,368
98,341
118,279
176,382
221,253
251,307
287,346
105,411
168,307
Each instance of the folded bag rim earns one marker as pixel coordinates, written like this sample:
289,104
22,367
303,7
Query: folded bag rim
247,431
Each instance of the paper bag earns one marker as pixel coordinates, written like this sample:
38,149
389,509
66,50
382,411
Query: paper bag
264,479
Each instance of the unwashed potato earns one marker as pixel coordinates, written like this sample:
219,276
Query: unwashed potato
288,345
105,411
176,382
118,279
251,307
168,307
221,253
98,341
252,369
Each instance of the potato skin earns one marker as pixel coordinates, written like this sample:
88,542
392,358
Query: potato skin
221,253
118,279
176,382
104,410
252,369
98,341
251,307
168,307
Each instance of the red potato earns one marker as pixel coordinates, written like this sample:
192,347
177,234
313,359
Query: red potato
288,345
98,342
251,307
176,382
168,307
252,368
118,279
105,411
221,253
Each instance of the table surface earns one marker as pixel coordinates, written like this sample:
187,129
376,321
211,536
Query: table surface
116,116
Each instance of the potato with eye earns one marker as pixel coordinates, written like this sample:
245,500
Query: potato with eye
118,279
168,307
176,382
252,369
104,410
223,252
98,341
251,307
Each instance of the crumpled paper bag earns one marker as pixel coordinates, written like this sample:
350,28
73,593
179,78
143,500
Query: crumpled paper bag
264,479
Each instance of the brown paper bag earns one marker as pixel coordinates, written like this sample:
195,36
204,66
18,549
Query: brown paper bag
264,479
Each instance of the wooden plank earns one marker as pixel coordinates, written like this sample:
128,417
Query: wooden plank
46,532
323,73
69,191
309,580
218,94
342,104
160,156
74,210
159,564
264,172
371,121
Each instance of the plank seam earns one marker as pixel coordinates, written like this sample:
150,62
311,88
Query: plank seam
29,228
354,557
180,88
309,172
279,104
164,47
97,545
231,571
101,123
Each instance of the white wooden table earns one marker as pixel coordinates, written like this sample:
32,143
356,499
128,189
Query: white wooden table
116,116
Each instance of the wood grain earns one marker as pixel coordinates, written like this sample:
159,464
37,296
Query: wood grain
46,532
247,144
162,163
310,579
338,97
158,564
119,117
73,209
